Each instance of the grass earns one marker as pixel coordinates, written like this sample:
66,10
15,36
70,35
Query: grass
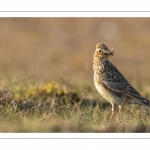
60,107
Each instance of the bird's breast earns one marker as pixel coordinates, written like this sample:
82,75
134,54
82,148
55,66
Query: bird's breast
103,91
107,94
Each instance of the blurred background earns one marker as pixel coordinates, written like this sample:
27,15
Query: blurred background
47,48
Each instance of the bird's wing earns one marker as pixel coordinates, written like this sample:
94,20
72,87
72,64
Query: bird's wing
115,81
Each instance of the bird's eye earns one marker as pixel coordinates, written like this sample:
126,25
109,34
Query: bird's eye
100,51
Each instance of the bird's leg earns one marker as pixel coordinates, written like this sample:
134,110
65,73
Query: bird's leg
112,115
120,108
113,111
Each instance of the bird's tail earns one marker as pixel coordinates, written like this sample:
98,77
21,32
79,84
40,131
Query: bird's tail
146,102
143,102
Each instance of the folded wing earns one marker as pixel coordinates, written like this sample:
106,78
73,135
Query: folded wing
115,81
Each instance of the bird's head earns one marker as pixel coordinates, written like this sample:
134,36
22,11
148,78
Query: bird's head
102,52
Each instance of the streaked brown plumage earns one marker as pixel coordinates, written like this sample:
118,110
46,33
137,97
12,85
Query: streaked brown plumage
110,83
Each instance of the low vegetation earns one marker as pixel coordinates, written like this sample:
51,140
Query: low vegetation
57,107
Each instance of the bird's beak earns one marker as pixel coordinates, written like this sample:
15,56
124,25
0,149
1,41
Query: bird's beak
111,52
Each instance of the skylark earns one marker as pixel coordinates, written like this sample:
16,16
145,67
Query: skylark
111,84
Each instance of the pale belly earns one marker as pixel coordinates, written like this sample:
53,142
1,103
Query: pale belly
109,96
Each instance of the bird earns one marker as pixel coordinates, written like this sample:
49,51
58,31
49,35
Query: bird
111,84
